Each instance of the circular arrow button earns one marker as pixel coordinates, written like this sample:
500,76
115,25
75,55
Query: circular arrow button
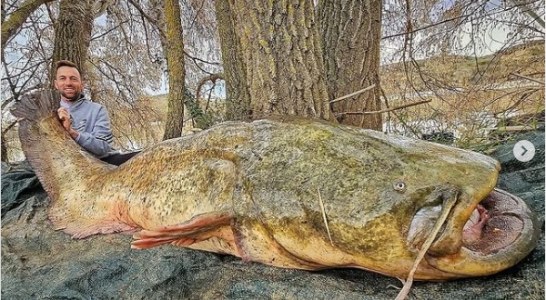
524,151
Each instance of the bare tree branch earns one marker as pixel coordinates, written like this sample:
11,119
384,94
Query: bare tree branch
353,94
383,110
211,77
109,30
17,18
444,21
527,10
527,78
147,17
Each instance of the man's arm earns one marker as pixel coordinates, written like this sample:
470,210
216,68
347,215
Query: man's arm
99,141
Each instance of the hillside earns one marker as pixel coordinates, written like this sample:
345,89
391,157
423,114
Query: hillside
469,95
464,71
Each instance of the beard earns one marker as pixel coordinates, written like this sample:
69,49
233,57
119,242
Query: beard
71,97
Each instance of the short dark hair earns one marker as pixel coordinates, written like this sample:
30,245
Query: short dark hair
65,63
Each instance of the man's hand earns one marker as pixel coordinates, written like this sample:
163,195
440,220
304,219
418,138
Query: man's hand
66,120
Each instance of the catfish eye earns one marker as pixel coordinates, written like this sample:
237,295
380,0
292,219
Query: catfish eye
399,186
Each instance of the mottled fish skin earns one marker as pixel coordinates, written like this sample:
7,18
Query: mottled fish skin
256,191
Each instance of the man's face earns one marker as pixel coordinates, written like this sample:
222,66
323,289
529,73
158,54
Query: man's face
68,83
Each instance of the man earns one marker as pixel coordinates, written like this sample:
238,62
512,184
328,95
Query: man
87,122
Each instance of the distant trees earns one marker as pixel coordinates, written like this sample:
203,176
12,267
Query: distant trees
469,41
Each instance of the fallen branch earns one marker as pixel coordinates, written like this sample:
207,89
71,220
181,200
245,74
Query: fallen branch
353,94
383,110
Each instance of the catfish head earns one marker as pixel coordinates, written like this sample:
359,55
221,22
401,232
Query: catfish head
481,230
328,196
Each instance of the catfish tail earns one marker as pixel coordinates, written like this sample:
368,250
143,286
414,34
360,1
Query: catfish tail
61,165
36,106
31,109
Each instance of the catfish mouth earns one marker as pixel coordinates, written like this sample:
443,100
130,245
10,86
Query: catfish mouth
500,231
495,223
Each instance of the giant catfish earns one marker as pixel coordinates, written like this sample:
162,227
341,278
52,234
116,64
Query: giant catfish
297,194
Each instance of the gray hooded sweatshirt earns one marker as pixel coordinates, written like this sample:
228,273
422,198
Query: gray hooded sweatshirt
91,120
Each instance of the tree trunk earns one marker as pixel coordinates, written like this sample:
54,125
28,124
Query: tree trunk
175,64
281,48
237,93
351,33
73,33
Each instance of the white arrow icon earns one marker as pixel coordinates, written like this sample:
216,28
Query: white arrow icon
524,151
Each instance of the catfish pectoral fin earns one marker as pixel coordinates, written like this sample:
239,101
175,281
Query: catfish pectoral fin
198,229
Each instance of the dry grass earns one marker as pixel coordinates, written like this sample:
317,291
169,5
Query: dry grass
462,71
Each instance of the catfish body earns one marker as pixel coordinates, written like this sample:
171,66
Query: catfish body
299,194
